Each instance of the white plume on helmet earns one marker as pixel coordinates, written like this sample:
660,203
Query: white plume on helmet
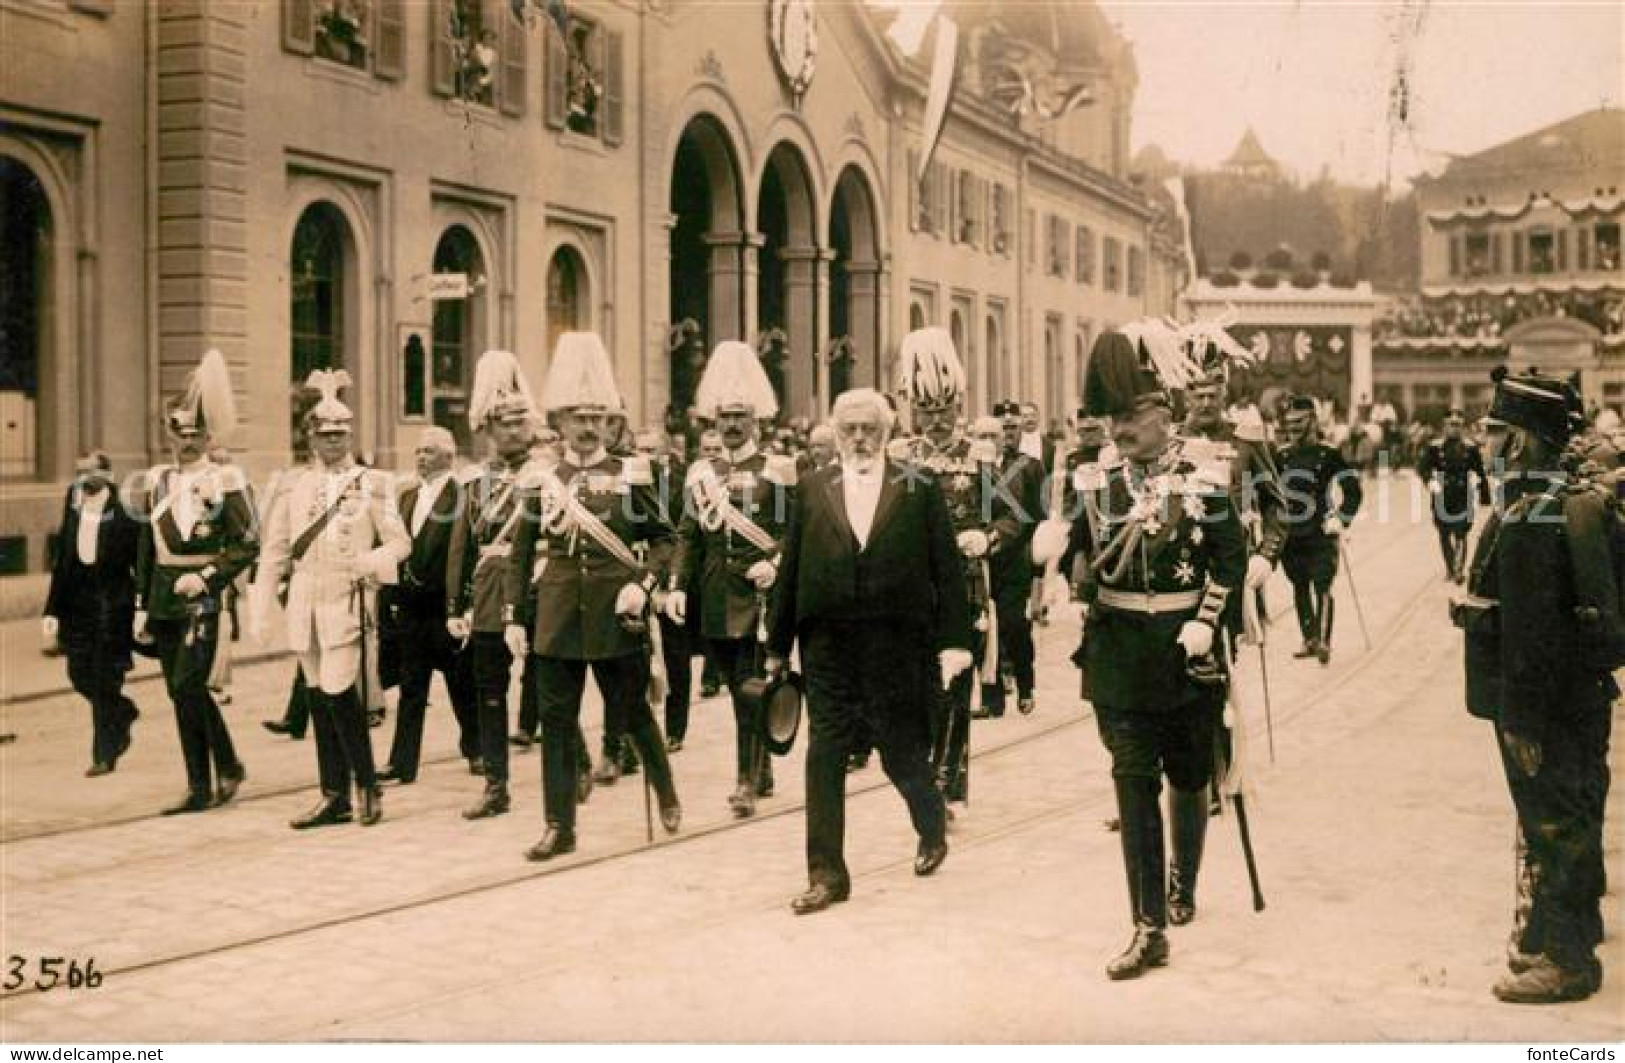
734,378
1164,345
1215,352
500,389
929,372
208,403
330,409
580,375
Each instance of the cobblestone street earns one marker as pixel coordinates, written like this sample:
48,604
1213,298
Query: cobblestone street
1383,830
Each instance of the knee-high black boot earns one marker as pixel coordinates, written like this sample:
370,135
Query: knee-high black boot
1187,821
1141,814
645,737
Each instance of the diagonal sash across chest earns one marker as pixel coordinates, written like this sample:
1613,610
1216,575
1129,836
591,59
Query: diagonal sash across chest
713,497
569,511
313,531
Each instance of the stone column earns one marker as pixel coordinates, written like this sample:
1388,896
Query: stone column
863,319
806,322
731,280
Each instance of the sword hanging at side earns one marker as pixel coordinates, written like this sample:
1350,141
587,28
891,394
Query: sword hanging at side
1235,786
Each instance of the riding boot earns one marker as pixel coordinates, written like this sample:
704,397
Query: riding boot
1187,823
651,749
1143,859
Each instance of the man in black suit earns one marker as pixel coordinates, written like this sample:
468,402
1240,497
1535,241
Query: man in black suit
417,606
1021,481
873,587
91,604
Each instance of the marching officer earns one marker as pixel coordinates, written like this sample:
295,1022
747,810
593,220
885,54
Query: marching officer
670,474
985,523
431,508
333,532
728,544
1165,551
1020,481
1311,473
200,534
501,406
590,608
90,604
1544,633
1447,466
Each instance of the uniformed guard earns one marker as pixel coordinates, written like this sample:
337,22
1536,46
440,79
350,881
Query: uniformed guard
1542,617
200,533
1311,473
733,523
1166,551
1021,480
986,523
1448,466
581,525
333,531
502,407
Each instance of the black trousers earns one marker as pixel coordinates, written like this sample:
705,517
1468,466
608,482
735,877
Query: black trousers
679,656
623,682
343,741
866,682
97,677
1015,647
1146,743
1310,562
186,654
1453,542
493,670
1560,819
426,647
736,662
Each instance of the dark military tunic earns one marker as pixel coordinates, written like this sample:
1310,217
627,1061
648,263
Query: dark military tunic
713,558
1312,475
1452,463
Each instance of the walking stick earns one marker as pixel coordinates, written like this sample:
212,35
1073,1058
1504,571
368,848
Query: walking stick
1348,571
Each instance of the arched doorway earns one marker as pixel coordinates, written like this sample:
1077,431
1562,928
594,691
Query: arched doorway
708,253
459,332
854,292
319,303
787,278
27,341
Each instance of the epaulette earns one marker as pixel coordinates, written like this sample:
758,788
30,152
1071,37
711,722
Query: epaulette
636,470
780,469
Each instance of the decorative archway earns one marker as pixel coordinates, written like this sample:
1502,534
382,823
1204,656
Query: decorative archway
459,331
856,286
321,311
711,254
29,341
790,276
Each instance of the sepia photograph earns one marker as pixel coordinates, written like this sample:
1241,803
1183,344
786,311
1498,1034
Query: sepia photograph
797,523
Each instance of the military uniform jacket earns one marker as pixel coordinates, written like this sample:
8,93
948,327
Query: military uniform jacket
476,557
712,558
364,537
1165,547
572,612
973,503
221,542
1450,462
1527,639
1255,485
1020,485
1309,476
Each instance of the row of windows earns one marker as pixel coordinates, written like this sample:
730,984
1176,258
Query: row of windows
1489,254
477,53
1070,253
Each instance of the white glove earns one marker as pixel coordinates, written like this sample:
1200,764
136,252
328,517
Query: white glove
459,628
138,627
973,543
630,601
1435,487
191,585
1197,638
1258,571
1333,525
677,606
49,628
952,662
762,573
517,641
1049,541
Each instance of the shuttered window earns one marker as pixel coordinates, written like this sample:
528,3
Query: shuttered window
299,26
614,87
389,61
511,84
443,47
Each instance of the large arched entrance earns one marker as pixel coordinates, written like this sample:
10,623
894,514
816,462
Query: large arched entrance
321,306
855,284
787,280
26,319
709,253
459,332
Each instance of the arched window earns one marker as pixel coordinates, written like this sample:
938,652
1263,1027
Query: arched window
916,317
993,352
316,314
956,332
25,316
566,295
457,332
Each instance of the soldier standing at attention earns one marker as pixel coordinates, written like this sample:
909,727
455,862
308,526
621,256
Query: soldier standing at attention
1447,466
200,534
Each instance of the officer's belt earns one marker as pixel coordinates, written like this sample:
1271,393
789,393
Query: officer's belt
501,549
1148,602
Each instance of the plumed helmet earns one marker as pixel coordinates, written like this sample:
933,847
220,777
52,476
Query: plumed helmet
929,373
735,380
580,375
